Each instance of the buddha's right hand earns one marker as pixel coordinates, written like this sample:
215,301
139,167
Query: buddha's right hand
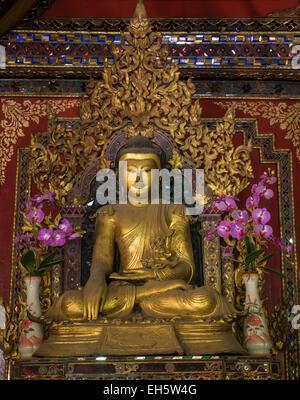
93,295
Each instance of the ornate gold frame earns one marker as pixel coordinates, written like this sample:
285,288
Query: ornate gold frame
137,119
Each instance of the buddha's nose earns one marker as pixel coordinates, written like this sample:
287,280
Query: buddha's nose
138,178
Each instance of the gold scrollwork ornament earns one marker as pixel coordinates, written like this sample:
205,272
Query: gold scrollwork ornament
139,93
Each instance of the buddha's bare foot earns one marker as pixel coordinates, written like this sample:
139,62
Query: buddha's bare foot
154,287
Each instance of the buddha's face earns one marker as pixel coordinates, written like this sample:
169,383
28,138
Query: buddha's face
138,178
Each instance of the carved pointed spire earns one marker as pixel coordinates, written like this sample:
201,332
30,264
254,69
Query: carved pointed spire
140,24
140,10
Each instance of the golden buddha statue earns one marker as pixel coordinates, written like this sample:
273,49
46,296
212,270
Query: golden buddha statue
152,287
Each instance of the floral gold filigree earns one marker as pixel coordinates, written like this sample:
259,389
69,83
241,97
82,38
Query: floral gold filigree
287,116
140,93
279,327
17,117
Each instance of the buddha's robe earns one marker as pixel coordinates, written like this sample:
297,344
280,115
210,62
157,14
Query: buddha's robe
154,239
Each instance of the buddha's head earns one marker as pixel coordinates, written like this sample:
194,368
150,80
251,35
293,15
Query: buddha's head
141,157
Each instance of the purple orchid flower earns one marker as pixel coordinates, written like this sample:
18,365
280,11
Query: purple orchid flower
208,236
223,228
227,204
65,226
46,237
268,194
258,188
262,190
39,198
270,180
278,241
240,216
238,230
35,215
48,196
74,235
23,239
59,238
252,201
263,230
288,249
261,215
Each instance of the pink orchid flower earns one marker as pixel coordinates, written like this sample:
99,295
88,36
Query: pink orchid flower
46,237
263,230
238,230
59,238
240,216
209,236
65,226
35,215
262,190
74,236
268,194
227,204
261,215
37,199
258,188
23,239
252,201
223,228
270,180
48,196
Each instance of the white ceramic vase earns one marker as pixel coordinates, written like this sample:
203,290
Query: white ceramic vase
32,333
256,335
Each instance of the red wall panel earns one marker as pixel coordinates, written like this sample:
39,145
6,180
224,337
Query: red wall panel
167,8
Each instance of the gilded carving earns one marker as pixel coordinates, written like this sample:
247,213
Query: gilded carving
287,116
228,287
279,327
10,335
140,93
211,257
17,117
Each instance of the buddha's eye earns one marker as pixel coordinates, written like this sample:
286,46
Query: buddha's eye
147,169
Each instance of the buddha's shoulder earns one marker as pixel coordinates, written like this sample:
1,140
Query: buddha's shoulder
108,210
176,209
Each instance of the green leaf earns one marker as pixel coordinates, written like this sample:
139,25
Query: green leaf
234,260
45,266
28,260
37,273
265,259
273,271
253,256
47,259
250,247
